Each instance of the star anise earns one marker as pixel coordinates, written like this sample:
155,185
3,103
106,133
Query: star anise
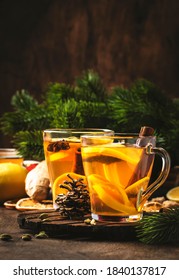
58,145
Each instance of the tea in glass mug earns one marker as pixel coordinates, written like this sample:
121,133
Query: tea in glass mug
62,150
118,170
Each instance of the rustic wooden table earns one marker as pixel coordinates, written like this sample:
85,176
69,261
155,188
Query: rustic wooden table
73,248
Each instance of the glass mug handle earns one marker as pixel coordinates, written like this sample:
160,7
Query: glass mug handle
163,173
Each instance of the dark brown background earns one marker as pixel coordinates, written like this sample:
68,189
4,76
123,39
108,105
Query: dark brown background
45,41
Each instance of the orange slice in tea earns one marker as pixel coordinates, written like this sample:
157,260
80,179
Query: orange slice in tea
116,173
108,194
112,202
113,189
133,189
110,152
62,178
60,156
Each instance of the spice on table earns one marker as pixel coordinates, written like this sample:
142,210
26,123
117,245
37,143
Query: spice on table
43,216
90,221
41,235
26,237
5,237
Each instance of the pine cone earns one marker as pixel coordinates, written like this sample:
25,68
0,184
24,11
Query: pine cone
76,203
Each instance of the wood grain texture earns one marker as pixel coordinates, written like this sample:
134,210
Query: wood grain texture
57,226
68,248
54,41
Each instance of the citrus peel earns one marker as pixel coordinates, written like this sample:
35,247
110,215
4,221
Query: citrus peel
173,194
60,180
112,197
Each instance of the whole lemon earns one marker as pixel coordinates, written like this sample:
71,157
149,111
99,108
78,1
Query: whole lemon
12,181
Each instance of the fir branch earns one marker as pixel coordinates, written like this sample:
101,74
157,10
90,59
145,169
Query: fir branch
90,87
88,104
94,114
29,144
20,120
66,114
22,100
141,104
159,228
79,114
57,92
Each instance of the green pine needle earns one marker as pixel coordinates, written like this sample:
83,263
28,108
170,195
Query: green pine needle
159,228
88,103
22,100
57,92
29,144
90,87
141,104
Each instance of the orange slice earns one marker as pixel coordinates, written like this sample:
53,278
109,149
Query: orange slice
108,194
173,194
61,179
110,152
133,189
60,156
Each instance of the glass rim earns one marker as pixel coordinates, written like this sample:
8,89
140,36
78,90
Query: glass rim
77,130
120,134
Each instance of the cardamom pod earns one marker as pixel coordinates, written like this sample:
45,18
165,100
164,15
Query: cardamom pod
26,237
41,235
43,216
5,237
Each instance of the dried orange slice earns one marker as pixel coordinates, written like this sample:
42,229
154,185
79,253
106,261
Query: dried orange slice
173,194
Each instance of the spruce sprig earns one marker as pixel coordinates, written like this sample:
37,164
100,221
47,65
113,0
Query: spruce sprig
57,92
29,144
22,100
88,103
90,87
21,120
141,103
159,228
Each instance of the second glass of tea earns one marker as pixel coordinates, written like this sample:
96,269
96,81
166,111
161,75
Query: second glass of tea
118,170
62,150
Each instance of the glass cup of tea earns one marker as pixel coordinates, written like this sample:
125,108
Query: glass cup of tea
62,150
118,170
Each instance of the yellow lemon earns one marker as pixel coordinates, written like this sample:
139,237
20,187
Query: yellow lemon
173,194
12,181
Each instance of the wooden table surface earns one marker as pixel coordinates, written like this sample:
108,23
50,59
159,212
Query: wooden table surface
69,248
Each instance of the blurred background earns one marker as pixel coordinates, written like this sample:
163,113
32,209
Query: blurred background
55,40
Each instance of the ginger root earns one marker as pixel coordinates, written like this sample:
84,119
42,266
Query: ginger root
37,183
